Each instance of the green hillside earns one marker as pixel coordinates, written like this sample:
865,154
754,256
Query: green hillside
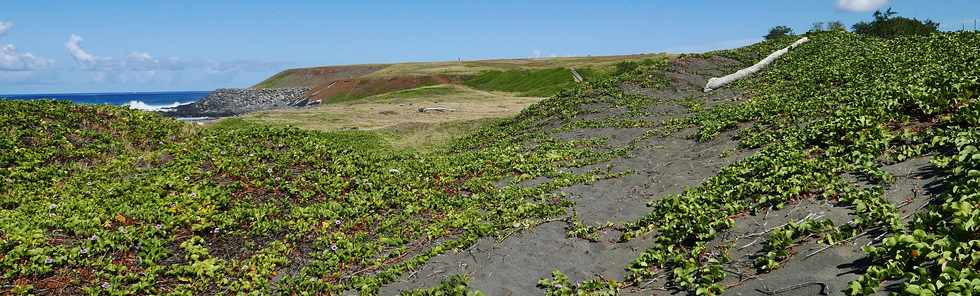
106,200
541,77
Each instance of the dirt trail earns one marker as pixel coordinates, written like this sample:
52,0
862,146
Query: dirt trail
662,166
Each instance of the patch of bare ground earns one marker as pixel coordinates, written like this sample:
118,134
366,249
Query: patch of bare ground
514,265
815,268
659,166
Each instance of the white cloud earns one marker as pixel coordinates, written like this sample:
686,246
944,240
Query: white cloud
5,26
82,57
13,60
860,5
144,61
143,67
141,61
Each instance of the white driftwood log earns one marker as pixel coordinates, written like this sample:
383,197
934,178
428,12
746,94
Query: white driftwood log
578,78
716,83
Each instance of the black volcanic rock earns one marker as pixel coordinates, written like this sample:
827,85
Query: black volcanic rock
233,101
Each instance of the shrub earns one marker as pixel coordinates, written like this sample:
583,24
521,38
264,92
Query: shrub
779,32
887,25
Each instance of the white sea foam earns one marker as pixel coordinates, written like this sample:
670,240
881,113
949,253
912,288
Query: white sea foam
147,107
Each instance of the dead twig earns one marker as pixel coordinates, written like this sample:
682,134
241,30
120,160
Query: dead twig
742,281
414,272
749,244
925,204
648,283
840,242
437,273
875,239
808,216
765,290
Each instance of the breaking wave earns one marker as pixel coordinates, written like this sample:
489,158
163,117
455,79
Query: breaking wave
147,107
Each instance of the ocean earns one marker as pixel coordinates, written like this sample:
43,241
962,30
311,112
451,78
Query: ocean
150,101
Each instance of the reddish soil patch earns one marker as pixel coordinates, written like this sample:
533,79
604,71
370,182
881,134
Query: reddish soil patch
338,83
363,87
317,76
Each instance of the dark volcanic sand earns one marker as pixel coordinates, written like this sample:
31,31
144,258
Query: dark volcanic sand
662,166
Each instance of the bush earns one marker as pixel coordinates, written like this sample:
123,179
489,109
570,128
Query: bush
778,32
887,25
834,26
625,66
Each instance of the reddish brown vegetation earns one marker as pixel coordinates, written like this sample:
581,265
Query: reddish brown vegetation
363,87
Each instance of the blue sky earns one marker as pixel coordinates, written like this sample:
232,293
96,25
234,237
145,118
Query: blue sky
91,46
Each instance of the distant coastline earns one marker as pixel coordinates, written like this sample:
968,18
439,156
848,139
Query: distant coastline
149,101
190,105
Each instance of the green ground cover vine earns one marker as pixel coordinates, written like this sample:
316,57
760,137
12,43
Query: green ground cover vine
101,199
841,104
105,200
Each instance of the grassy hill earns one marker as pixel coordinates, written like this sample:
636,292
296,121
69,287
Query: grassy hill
344,83
387,97
849,166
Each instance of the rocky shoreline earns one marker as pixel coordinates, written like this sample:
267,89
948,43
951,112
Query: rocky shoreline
235,101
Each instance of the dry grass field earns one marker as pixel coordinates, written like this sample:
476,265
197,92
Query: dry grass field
397,115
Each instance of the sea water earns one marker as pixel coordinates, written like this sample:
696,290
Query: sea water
150,101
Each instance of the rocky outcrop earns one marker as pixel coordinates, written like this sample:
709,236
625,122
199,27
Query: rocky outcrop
234,101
